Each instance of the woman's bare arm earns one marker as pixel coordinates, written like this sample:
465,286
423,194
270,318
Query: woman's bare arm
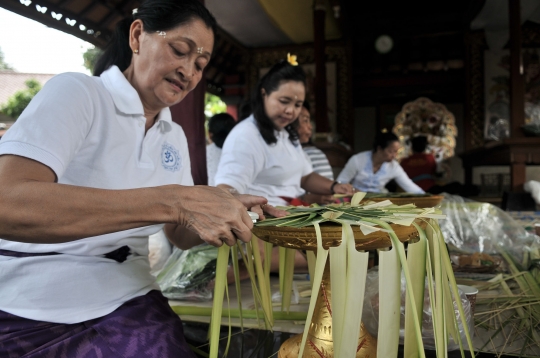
317,184
36,209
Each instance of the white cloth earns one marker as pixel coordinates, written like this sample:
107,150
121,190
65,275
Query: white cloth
533,187
319,161
91,132
251,166
359,172
213,153
159,250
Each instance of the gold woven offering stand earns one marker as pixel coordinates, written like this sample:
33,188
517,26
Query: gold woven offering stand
319,342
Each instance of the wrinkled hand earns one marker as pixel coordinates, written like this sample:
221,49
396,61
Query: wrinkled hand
261,208
344,189
214,214
275,212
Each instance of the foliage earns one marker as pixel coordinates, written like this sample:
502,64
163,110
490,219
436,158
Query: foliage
90,57
3,64
17,102
213,105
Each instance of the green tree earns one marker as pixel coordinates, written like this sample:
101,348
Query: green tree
213,105
17,103
90,57
3,64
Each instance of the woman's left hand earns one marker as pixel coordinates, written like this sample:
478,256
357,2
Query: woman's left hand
345,188
261,209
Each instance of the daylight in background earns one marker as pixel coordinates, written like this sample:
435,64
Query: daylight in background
32,47
29,47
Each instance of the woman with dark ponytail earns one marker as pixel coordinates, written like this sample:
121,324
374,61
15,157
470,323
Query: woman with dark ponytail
371,170
262,154
92,167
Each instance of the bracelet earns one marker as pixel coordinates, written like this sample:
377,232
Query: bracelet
332,186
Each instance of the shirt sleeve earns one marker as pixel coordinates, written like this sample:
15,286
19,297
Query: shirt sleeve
308,166
349,172
242,159
405,182
54,125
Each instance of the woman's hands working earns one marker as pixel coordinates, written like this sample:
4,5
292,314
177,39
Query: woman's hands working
212,215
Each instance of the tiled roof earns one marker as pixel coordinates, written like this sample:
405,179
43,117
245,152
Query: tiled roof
11,82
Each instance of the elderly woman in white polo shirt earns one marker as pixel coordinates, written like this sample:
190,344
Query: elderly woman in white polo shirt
92,167
262,154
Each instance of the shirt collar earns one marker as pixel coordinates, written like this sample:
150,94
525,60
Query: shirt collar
127,100
282,134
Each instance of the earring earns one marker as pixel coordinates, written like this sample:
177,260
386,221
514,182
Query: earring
161,33
135,51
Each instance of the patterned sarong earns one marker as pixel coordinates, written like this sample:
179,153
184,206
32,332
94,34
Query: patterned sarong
145,326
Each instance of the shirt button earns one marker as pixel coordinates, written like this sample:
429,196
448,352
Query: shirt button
141,124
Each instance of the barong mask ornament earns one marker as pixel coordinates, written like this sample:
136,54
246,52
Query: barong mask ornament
433,120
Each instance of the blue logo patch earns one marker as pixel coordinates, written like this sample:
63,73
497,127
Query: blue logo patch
170,159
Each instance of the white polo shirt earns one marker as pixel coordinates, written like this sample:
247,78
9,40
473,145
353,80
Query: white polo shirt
90,132
251,166
359,172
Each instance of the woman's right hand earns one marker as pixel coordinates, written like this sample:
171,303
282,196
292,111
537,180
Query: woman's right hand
214,214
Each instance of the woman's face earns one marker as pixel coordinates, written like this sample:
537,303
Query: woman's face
304,126
167,67
284,104
390,152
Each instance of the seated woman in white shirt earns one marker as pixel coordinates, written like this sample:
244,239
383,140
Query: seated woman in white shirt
219,127
262,154
370,171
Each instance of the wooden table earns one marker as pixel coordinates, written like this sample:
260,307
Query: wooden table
515,152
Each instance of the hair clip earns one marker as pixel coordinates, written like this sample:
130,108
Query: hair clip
135,11
161,33
292,59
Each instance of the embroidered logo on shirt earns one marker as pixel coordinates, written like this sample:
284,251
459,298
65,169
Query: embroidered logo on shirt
170,159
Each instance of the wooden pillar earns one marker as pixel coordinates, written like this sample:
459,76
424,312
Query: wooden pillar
517,91
189,114
321,106
517,82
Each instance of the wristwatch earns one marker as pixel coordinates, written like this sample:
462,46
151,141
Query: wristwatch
333,185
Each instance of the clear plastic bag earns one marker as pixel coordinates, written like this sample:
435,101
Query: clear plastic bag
370,315
472,226
189,275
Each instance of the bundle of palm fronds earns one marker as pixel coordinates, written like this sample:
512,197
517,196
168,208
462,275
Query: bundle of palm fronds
507,317
426,258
